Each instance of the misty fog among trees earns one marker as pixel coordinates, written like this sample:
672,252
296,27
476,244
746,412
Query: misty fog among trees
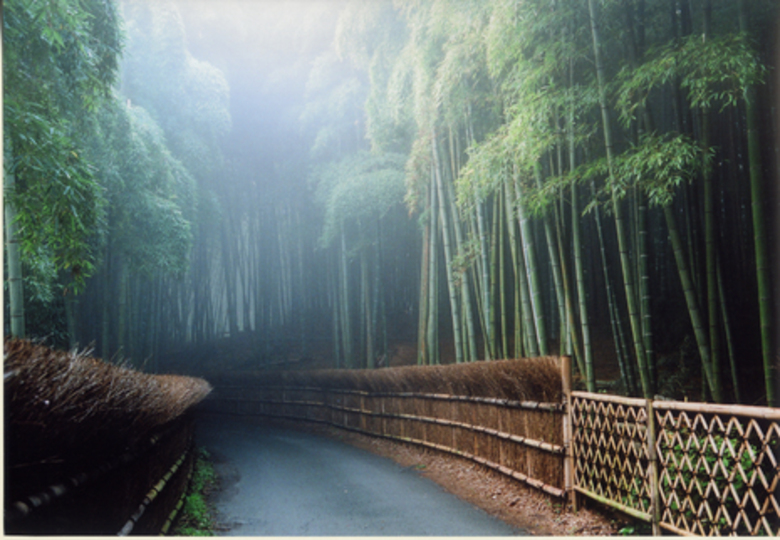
362,184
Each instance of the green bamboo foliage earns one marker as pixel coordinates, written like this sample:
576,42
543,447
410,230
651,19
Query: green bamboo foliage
569,188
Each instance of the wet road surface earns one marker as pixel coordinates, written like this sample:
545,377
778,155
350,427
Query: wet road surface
281,482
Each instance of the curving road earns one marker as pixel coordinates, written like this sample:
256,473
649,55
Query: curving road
279,482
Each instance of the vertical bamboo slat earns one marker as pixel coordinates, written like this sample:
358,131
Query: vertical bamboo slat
568,463
655,513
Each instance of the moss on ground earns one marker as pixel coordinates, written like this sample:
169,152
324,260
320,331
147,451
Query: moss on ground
197,516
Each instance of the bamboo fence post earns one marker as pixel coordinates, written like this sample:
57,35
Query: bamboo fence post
424,402
343,405
363,412
653,470
329,406
568,460
383,423
452,428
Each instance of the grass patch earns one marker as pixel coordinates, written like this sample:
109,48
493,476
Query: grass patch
196,517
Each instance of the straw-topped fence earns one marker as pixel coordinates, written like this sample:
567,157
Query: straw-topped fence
687,468
92,448
505,415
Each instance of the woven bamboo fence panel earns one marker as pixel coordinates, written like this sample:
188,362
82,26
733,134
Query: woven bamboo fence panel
523,440
688,468
719,469
611,452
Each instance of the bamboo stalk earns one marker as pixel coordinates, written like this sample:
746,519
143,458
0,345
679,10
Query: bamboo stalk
644,516
676,530
568,463
531,266
765,413
448,254
655,498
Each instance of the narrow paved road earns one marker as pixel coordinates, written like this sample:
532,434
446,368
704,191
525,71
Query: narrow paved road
282,482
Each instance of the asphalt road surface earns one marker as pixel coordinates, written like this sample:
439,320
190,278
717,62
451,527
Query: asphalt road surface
280,482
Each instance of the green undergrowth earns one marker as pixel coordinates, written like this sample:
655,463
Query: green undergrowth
196,517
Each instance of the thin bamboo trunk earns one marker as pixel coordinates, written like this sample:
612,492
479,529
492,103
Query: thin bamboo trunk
614,313
555,262
15,282
433,289
336,314
448,255
517,270
470,345
530,340
493,285
476,278
628,282
485,277
759,233
710,234
422,315
587,349
727,332
697,322
122,293
585,359
532,273
346,317
644,288
500,224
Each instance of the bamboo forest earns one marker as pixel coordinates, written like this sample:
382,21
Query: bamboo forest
358,185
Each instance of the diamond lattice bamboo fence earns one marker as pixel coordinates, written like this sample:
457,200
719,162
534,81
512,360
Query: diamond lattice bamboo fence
612,457
689,468
719,469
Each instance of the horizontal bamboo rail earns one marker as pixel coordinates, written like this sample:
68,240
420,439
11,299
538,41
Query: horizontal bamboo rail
765,413
528,405
608,398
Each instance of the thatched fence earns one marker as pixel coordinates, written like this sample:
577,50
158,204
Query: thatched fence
92,448
687,468
507,415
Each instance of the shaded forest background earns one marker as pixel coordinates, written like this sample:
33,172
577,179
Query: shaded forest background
202,186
